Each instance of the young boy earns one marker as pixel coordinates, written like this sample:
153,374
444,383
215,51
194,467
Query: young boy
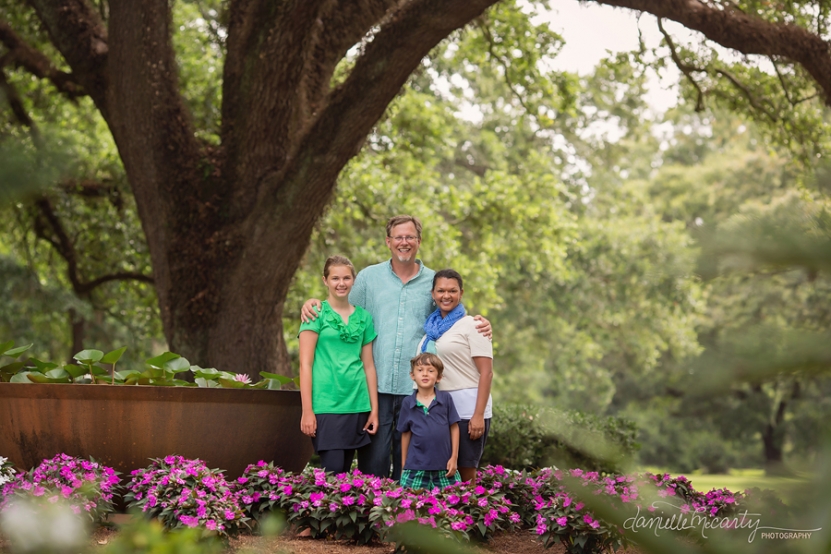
429,429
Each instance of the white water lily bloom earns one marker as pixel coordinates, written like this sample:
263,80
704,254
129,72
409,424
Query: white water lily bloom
6,471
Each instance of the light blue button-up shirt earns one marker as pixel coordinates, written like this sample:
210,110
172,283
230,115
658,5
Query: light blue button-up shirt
398,311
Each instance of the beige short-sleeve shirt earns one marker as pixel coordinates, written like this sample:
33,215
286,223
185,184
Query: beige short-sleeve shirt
457,347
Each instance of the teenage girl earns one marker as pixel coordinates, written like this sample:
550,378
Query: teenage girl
338,384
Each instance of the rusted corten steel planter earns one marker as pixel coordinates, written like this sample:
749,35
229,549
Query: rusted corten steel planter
124,426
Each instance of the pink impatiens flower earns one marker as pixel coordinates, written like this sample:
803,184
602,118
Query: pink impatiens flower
189,521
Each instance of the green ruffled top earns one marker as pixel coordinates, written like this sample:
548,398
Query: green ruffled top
338,376
351,332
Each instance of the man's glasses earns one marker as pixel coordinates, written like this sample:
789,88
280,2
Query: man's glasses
406,238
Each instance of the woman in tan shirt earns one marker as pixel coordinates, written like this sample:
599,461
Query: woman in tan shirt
468,367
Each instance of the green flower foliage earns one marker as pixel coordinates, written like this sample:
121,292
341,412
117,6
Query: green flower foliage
86,487
183,493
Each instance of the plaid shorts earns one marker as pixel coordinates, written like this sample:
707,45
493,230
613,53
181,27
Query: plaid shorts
428,479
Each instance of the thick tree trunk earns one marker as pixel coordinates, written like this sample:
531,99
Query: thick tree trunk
773,440
240,329
227,226
772,444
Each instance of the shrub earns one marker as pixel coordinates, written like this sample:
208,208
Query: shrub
363,508
460,511
334,505
530,437
261,488
551,502
85,485
185,493
563,517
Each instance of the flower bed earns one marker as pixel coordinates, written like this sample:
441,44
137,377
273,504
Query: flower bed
87,486
183,493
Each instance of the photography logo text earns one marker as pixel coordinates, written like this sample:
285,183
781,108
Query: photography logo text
682,518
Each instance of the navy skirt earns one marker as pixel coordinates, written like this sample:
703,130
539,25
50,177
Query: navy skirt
340,431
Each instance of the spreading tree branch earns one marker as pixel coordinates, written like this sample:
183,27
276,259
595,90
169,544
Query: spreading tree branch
478,170
32,60
15,102
793,102
686,69
344,24
755,103
214,29
506,67
268,48
280,61
49,228
782,81
745,33
120,276
79,34
357,104
90,188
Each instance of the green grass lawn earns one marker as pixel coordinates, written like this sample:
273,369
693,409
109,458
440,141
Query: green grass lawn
738,480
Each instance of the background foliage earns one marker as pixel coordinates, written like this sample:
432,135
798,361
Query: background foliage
576,216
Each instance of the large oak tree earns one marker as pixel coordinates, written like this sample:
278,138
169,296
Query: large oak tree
228,224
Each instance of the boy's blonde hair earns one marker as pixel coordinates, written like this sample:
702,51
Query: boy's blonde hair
427,358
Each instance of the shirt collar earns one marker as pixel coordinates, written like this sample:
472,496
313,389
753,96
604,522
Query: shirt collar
417,275
436,399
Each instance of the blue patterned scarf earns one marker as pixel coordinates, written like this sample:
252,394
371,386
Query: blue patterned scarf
436,325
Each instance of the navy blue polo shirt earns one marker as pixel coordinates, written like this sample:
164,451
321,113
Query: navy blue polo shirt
430,447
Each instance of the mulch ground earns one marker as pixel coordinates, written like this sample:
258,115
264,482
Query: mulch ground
509,543
520,542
